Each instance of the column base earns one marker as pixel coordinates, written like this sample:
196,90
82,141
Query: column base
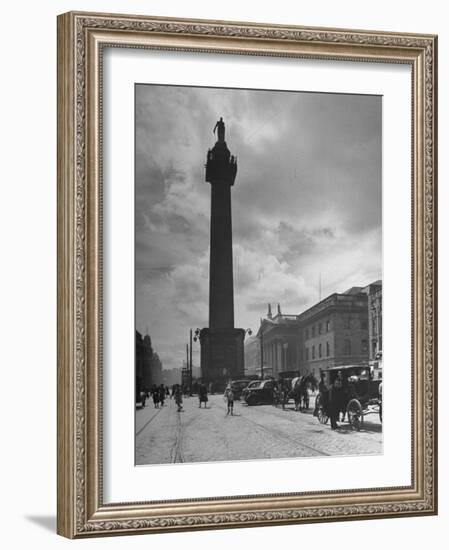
222,356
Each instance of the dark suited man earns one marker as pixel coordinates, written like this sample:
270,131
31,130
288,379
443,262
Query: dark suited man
335,400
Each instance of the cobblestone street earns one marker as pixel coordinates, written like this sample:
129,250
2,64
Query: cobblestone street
202,435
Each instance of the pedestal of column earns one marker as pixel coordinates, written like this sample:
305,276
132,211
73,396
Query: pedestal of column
222,356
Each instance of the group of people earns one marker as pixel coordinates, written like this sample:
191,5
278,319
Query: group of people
203,398
161,393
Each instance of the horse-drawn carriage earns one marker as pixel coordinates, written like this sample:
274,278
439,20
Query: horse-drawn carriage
360,395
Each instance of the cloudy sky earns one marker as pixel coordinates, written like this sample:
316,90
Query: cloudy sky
306,201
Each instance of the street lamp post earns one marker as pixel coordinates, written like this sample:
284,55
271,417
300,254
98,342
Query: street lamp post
249,332
187,356
285,356
195,339
260,337
191,364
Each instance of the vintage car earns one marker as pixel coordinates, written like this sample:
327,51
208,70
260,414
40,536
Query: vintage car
238,386
362,393
260,392
251,385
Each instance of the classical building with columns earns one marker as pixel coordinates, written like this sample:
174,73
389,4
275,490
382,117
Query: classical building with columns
278,341
342,329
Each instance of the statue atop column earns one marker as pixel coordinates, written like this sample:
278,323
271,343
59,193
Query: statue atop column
221,166
220,127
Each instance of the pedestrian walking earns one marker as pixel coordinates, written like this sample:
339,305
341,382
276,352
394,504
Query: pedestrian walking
177,391
275,396
155,394
335,400
283,396
162,394
202,396
229,397
323,392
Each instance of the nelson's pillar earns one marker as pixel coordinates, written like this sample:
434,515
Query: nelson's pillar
222,355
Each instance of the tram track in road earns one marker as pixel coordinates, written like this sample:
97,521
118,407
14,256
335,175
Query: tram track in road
176,451
344,428
147,423
291,440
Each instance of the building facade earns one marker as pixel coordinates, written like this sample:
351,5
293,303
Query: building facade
334,332
278,342
156,369
342,329
374,292
148,367
144,354
252,356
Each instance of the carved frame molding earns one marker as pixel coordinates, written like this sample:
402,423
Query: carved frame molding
81,38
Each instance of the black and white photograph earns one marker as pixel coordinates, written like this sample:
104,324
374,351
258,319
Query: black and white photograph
224,237
258,274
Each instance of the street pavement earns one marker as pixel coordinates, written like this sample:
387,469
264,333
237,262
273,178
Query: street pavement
201,435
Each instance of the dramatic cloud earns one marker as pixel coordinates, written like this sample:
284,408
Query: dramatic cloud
306,203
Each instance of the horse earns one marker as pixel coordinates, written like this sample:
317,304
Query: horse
300,390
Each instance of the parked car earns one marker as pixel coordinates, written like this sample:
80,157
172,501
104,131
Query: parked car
260,393
249,387
238,386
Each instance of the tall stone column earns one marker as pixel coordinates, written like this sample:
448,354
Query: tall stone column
222,353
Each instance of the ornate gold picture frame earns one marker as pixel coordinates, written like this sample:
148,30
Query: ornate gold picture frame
82,40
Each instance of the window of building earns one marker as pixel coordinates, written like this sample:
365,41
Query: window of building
363,324
328,349
313,331
347,345
307,334
313,352
364,346
319,350
328,326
